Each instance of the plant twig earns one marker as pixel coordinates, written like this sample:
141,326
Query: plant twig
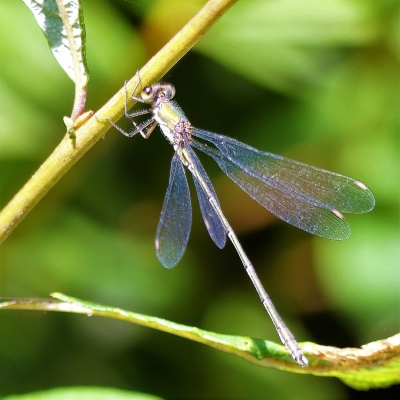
80,81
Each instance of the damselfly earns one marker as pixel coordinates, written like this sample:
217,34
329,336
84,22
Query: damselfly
308,197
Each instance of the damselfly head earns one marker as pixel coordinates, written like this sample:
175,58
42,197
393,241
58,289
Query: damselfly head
150,94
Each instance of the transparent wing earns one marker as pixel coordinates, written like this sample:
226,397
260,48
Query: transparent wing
211,219
302,195
176,217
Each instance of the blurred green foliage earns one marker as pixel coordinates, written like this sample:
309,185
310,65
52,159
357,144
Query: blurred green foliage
316,81
83,393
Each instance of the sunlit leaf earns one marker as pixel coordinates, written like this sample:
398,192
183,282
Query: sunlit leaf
64,29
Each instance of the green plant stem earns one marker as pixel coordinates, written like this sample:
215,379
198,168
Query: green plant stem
67,153
80,80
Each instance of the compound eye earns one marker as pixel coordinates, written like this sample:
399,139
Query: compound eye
147,94
171,92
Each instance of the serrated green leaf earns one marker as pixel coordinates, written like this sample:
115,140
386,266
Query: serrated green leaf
374,365
63,26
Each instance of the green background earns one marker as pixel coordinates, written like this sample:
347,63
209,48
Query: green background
315,81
